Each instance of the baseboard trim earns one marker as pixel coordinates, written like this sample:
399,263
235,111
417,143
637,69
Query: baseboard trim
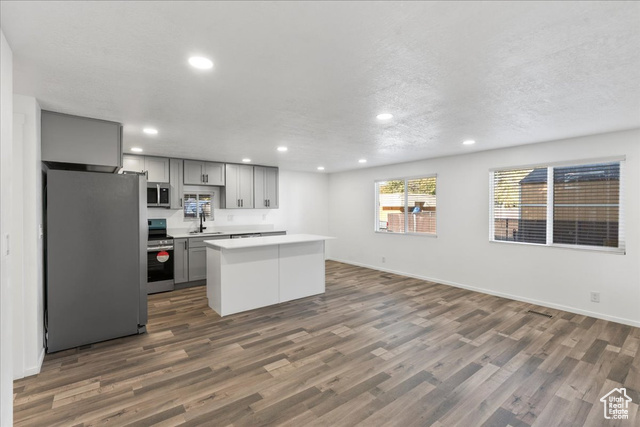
499,294
35,370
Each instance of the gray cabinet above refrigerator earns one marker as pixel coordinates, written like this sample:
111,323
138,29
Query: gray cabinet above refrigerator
80,143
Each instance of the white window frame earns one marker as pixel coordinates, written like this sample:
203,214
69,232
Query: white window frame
209,194
621,249
376,225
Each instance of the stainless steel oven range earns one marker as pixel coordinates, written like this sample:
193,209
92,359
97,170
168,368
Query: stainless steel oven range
159,257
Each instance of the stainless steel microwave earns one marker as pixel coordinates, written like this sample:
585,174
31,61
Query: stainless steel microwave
158,195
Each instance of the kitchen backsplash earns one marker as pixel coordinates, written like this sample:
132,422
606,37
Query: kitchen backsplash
223,218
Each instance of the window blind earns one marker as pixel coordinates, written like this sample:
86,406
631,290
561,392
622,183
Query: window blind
520,205
586,205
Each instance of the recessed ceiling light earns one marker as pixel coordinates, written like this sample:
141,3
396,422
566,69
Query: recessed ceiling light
282,149
384,116
362,161
200,62
246,160
136,150
469,142
320,168
150,131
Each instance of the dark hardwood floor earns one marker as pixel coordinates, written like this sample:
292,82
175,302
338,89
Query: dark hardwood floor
376,349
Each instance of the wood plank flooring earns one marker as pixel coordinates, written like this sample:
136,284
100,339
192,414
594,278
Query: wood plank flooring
376,349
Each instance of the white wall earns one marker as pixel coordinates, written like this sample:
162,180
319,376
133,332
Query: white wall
6,299
27,259
17,264
303,208
462,255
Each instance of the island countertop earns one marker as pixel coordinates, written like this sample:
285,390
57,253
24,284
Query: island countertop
264,241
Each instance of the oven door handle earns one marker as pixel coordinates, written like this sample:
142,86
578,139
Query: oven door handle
160,248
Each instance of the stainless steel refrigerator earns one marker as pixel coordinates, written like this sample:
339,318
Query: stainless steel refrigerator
96,261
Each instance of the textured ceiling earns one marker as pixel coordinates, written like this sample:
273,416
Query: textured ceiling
313,75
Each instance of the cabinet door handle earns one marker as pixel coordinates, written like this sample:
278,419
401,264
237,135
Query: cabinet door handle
202,179
180,201
206,178
186,245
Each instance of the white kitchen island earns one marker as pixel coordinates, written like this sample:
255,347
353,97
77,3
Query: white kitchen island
243,274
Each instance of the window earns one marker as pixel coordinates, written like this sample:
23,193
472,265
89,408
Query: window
586,205
520,205
406,206
577,205
194,203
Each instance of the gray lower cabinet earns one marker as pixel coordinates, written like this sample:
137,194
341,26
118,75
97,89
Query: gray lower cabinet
273,233
190,258
197,264
181,260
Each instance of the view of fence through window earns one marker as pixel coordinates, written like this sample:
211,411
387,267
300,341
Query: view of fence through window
585,211
586,205
415,213
196,203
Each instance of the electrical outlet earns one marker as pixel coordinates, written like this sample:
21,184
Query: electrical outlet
595,296
384,259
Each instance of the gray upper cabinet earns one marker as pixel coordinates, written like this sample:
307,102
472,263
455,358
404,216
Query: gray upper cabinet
238,192
80,143
214,173
156,168
193,173
175,179
132,163
265,187
203,173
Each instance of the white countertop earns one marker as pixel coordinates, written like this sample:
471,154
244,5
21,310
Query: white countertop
264,241
182,234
